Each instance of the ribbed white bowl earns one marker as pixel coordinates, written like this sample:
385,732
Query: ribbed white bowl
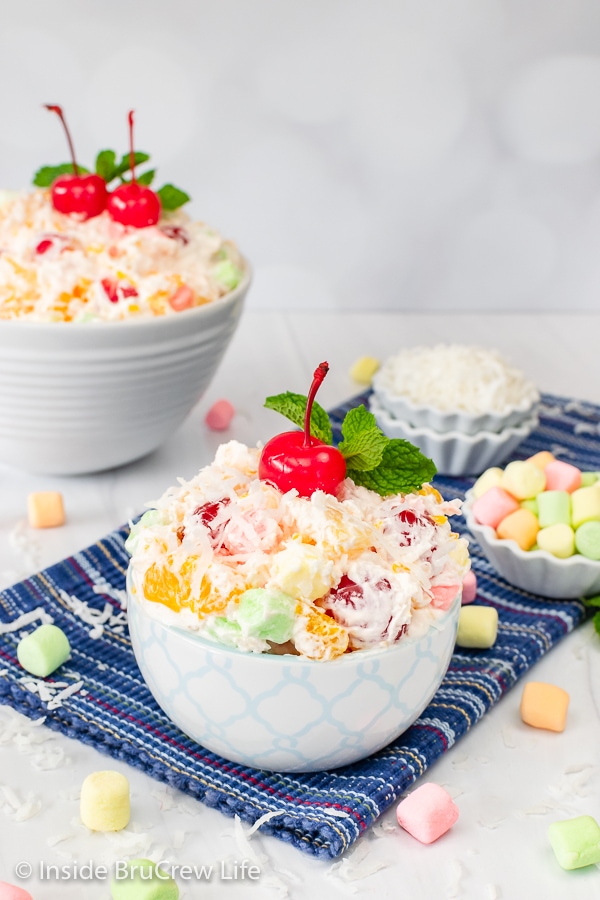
452,452
536,571
82,397
449,420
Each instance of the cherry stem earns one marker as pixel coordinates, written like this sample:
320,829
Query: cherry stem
131,150
58,110
320,373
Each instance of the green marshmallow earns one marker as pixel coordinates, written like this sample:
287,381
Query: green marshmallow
228,274
589,478
150,517
531,505
585,506
587,540
224,631
554,507
267,614
44,650
141,879
576,842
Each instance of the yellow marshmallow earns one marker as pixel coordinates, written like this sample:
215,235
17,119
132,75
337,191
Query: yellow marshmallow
104,804
520,526
585,505
488,479
364,369
557,539
477,627
523,480
544,706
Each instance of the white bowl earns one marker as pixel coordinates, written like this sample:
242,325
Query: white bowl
536,571
82,397
287,713
455,453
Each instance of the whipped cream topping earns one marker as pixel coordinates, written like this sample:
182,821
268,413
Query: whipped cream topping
56,267
367,565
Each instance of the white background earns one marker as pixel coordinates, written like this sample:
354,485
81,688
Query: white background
397,154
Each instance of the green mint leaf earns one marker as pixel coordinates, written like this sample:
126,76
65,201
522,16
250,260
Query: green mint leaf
402,470
47,175
146,178
597,622
591,601
364,442
106,163
293,407
171,197
124,165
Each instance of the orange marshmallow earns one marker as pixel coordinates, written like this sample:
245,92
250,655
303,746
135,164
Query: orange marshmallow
544,706
520,526
562,476
45,509
541,459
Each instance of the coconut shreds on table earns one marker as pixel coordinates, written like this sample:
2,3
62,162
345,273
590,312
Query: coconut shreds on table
26,619
454,377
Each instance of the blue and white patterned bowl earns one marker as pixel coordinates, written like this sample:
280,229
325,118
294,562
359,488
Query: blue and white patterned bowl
287,713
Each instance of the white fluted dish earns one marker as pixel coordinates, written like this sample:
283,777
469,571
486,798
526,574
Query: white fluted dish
536,571
82,397
450,420
288,713
455,453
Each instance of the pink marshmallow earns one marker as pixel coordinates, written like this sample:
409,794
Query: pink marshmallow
562,476
469,587
12,892
427,813
219,416
493,506
443,595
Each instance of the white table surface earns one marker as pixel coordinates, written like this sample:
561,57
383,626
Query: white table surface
509,781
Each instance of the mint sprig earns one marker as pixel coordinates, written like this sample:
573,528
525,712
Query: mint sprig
293,407
45,176
594,603
384,465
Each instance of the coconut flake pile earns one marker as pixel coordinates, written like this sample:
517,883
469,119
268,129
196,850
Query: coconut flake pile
56,267
453,377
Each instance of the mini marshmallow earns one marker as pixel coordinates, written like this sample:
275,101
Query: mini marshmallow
364,368
44,650
144,880
45,509
427,813
544,706
104,803
576,842
493,506
541,459
219,416
531,505
562,476
585,506
553,507
587,540
488,479
523,480
521,526
469,587
559,540
12,892
477,627
589,478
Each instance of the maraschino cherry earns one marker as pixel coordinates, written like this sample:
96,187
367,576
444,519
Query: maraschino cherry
132,203
83,195
296,459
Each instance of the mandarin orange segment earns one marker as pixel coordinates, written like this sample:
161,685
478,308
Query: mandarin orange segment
322,637
162,586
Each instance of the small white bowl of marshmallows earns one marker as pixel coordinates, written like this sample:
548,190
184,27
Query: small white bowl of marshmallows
465,407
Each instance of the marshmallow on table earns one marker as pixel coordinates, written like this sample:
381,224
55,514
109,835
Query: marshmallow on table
562,476
493,506
544,706
219,416
541,459
523,479
553,507
477,627
559,540
576,842
104,804
587,540
364,368
469,587
488,479
521,526
585,505
12,892
45,509
143,880
44,650
427,813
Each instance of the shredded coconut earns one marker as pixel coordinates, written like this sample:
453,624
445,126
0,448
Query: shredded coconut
453,377
26,619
